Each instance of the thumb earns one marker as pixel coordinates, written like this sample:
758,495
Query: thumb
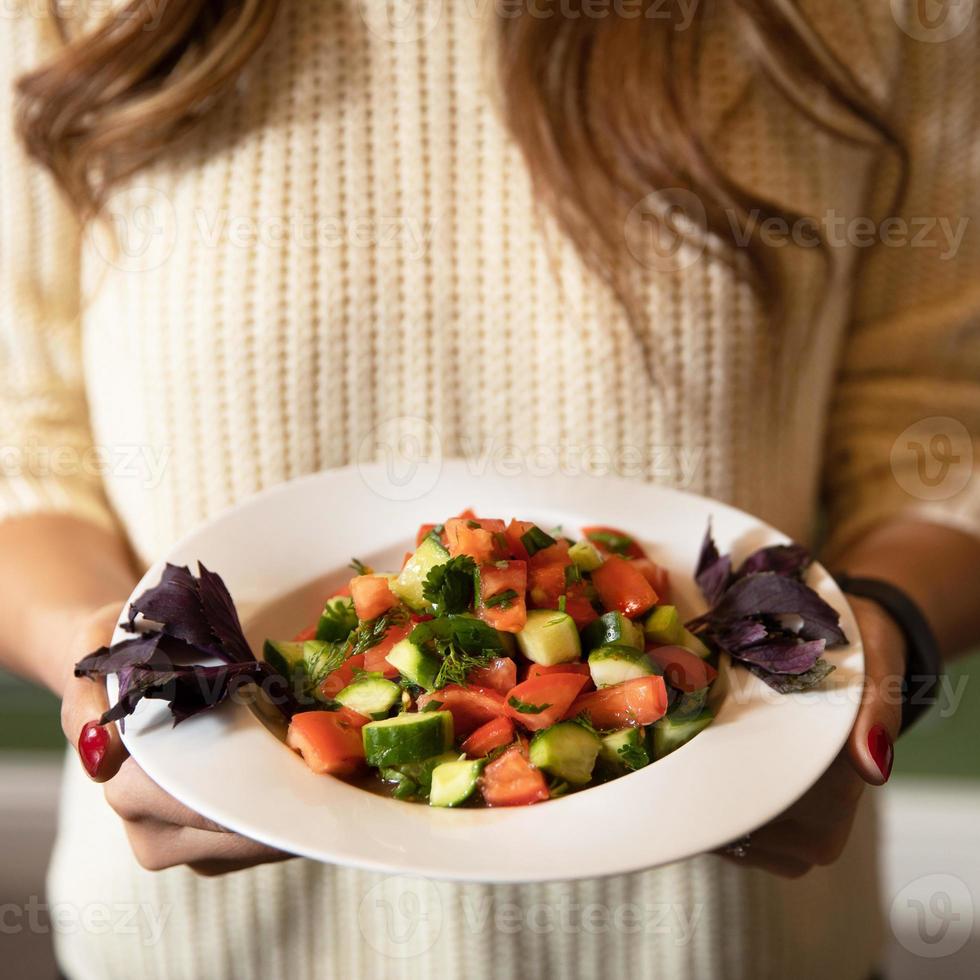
870,746
99,747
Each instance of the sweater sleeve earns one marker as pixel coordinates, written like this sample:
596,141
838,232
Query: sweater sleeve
904,429
48,461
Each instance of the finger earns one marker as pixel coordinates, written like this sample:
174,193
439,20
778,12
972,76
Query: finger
159,846
870,745
138,800
99,747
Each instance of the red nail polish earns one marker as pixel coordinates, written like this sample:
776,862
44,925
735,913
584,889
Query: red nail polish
880,747
92,746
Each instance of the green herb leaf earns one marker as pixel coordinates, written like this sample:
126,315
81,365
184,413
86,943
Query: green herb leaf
462,642
432,706
535,540
525,708
450,587
359,567
503,600
617,543
633,756
372,631
573,574
321,658
337,620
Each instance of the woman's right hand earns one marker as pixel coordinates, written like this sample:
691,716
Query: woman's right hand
162,832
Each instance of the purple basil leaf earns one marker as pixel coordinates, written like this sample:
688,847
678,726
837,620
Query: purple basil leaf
783,656
714,571
783,559
220,612
767,593
135,683
742,633
197,690
789,683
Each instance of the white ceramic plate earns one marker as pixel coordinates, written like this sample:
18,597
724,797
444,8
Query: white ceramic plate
279,551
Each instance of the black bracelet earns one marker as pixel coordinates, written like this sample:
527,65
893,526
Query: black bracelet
923,667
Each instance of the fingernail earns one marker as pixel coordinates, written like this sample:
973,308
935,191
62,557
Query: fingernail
92,746
880,747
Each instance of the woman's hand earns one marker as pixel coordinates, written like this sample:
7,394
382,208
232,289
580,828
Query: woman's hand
814,830
162,832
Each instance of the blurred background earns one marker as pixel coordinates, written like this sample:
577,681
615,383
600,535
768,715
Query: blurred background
931,832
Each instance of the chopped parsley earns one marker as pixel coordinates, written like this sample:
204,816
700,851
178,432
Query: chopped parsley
535,540
525,707
450,587
633,756
502,600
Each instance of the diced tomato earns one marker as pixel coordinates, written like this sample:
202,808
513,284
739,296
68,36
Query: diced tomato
538,670
656,575
545,586
621,586
578,605
470,706
682,669
546,698
511,780
499,731
467,515
328,741
371,596
338,679
303,635
464,539
612,541
513,534
499,577
374,657
500,674
554,554
639,701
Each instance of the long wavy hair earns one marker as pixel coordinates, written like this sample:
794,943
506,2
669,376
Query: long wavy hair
604,109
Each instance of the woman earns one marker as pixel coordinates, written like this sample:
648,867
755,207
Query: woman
333,215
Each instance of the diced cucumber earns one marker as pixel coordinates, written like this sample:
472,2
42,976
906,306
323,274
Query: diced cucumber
566,750
585,555
614,664
284,657
670,734
625,750
664,625
371,696
687,706
453,782
407,585
409,737
549,637
337,619
611,628
415,665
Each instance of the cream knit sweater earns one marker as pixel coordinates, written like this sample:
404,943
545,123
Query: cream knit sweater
352,239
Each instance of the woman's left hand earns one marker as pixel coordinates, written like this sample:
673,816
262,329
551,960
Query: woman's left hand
814,830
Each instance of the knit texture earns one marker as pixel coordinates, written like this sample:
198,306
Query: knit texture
353,239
